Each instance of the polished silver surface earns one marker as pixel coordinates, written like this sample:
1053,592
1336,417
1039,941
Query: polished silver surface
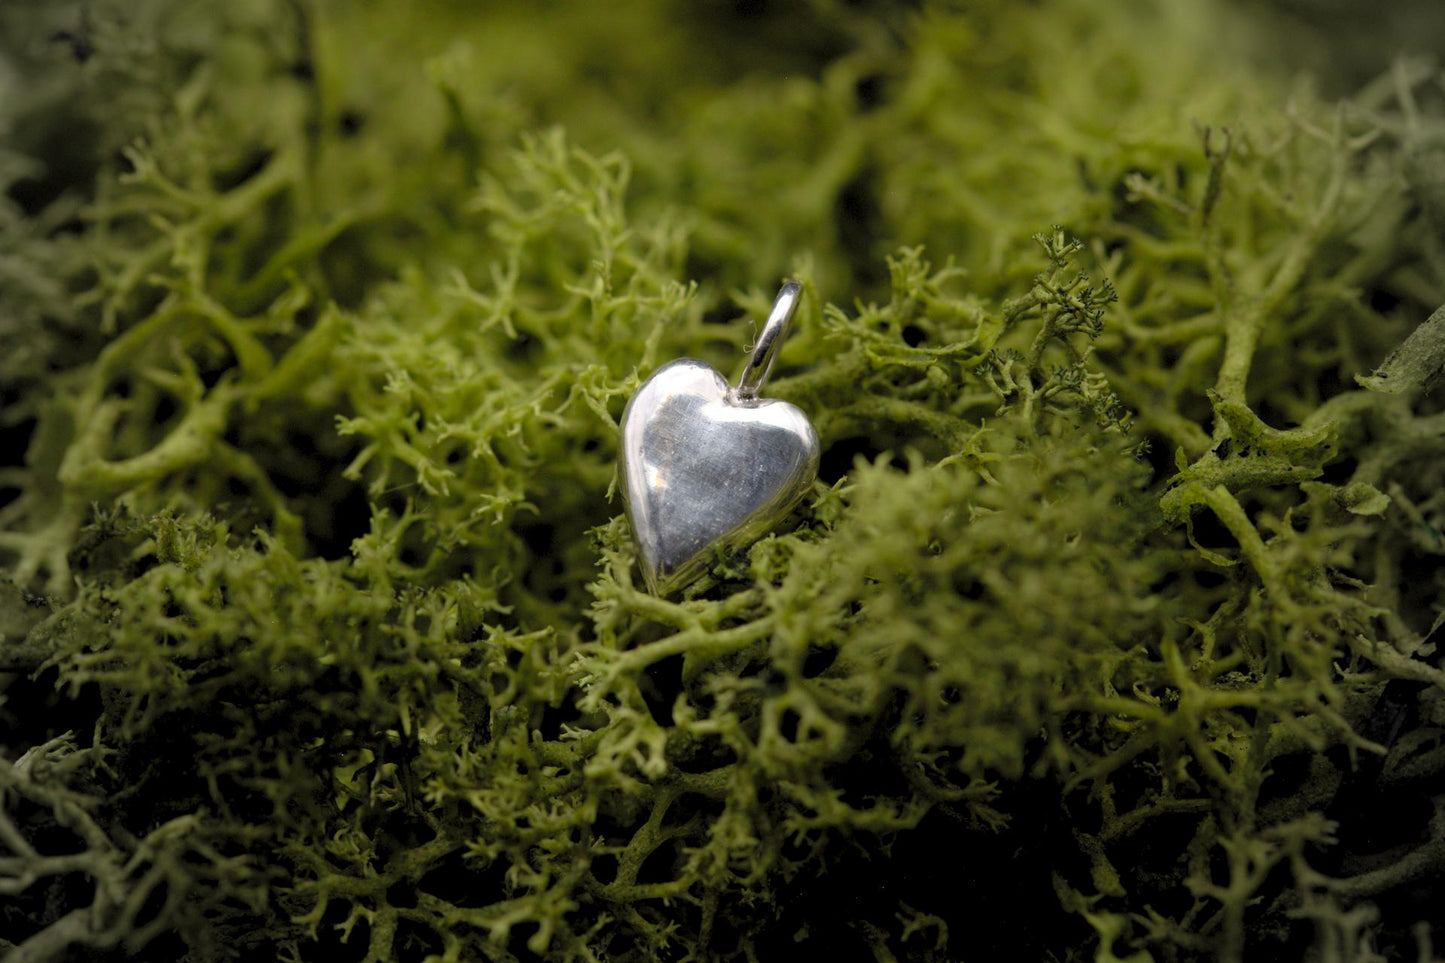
760,362
705,465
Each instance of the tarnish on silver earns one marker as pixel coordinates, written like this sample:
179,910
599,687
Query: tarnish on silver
706,465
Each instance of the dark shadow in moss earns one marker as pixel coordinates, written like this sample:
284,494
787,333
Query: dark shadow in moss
838,458
308,468
858,222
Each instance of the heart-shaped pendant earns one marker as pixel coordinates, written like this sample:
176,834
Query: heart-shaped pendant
705,464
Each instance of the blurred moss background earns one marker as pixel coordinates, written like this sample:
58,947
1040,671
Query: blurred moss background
1109,631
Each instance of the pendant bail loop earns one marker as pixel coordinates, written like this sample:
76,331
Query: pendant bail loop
765,352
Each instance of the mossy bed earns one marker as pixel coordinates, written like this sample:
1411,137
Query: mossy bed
1109,631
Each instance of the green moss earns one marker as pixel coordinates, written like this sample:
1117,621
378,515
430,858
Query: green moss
1107,632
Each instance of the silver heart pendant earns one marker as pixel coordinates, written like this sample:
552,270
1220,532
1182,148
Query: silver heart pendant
706,465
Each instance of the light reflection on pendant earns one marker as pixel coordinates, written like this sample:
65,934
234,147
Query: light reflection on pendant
707,465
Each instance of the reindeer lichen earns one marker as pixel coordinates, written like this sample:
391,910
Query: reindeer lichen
1109,630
